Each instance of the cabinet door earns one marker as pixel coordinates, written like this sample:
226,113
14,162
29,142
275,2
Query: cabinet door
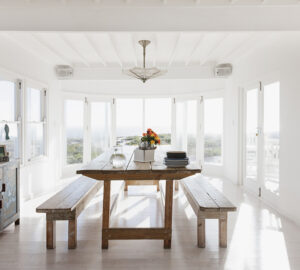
9,194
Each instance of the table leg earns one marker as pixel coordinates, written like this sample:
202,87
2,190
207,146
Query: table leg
105,213
168,211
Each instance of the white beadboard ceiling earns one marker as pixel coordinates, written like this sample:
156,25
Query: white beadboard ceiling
121,49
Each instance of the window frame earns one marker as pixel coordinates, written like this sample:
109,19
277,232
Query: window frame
69,169
21,84
28,84
18,113
211,164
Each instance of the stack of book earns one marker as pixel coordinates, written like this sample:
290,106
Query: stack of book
176,159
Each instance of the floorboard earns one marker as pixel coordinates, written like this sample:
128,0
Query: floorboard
258,237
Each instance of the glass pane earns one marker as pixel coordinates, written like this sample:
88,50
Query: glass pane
191,129
7,101
158,118
213,130
180,116
271,136
129,121
74,130
251,134
100,127
33,104
12,144
35,138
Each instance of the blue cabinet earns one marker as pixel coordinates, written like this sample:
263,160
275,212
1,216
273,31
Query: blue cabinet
9,193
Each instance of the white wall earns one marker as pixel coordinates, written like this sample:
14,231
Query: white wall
40,176
279,56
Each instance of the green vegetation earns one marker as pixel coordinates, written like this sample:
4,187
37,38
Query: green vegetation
165,138
74,151
135,140
212,146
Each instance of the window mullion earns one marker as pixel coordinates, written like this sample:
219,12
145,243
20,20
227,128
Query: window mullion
87,131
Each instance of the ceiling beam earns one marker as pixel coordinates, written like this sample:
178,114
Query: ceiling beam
174,51
79,17
94,47
134,43
217,45
52,50
13,39
114,73
197,44
154,49
71,46
113,43
245,47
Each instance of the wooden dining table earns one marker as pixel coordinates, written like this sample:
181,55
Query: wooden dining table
102,169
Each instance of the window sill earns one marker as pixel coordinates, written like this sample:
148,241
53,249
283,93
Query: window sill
35,160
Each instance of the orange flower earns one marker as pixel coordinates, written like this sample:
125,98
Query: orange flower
144,134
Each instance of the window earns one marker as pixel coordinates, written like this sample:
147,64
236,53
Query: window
9,110
35,128
271,128
213,130
100,127
158,117
180,125
186,127
191,129
74,112
129,119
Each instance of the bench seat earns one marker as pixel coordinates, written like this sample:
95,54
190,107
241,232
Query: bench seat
207,203
68,203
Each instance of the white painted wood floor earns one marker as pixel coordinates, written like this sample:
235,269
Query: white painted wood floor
258,237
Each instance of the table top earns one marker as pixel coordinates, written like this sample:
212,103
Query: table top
101,168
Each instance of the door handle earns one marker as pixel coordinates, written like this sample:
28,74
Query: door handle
3,188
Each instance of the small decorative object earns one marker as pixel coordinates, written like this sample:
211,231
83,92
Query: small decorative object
146,150
4,157
6,129
118,159
176,159
149,140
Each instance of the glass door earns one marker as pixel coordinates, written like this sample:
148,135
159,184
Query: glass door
271,140
262,140
251,135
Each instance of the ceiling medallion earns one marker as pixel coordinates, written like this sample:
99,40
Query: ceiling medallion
143,73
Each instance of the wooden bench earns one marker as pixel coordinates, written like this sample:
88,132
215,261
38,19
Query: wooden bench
207,203
68,203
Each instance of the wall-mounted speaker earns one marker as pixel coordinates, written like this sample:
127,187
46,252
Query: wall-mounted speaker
223,70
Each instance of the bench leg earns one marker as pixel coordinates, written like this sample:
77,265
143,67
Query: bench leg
223,230
50,234
72,237
201,231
